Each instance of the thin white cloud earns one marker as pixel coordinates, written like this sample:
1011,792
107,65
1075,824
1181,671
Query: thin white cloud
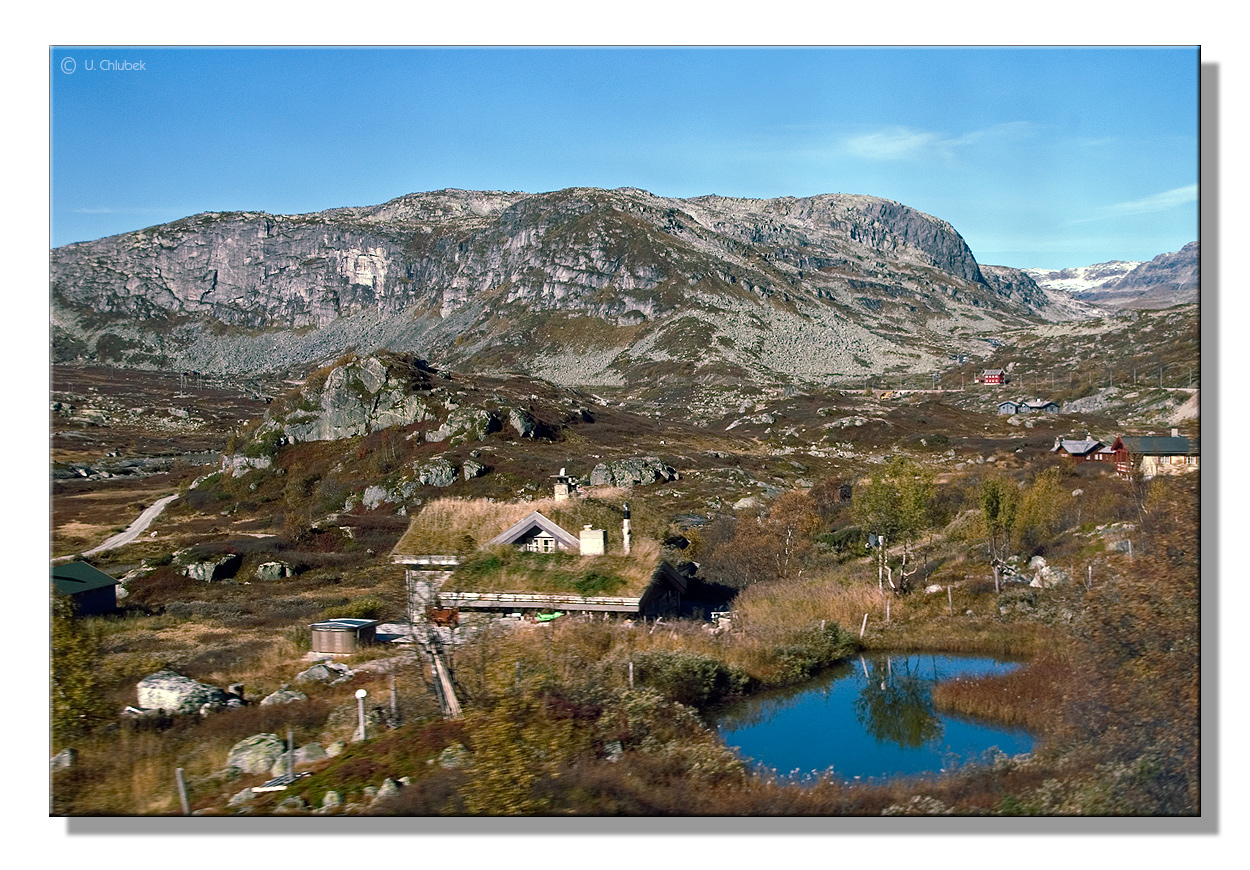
905,143
1156,201
1152,204
895,143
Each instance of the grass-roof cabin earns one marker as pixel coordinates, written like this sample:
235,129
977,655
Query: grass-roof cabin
89,589
477,554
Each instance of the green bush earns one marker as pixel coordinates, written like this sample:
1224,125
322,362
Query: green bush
689,678
811,650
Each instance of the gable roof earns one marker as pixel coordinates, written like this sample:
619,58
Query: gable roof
994,372
1077,448
74,577
1154,445
528,524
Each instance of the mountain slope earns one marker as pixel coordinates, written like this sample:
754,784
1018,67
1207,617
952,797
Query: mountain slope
1167,280
581,286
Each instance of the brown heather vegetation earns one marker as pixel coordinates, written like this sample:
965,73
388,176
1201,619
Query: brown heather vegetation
1110,686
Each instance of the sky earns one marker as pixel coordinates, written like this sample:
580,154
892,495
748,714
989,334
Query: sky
1038,157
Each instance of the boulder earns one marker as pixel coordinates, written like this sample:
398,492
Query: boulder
1048,577
374,496
389,788
283,696
171,692
522,422
454,756
636,471
330,673
331,799
256,754
241,798
439,472
215,568
303,755
468,424
292,804
274,571
63,759
472,468
336,748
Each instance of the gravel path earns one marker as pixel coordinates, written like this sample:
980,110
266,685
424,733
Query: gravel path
136,528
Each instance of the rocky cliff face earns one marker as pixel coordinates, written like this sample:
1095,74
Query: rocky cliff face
580,286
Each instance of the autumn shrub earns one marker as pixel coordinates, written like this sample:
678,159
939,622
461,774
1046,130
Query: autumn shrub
688,677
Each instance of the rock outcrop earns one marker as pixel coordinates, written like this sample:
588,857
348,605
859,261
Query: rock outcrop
636,471
256,754
173,693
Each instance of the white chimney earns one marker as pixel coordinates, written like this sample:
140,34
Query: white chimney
1176,433
625,528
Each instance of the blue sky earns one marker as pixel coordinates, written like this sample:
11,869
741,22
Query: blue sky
1038,157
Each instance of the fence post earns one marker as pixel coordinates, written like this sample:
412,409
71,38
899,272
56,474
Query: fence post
863,626
182,792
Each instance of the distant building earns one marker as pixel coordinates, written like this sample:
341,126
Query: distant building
1155,454
1083,450
89,589
1008,407
1037,406
992,376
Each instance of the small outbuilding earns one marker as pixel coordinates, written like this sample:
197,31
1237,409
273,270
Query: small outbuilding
89,589
343,635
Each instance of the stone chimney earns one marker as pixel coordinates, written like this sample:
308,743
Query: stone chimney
1176,433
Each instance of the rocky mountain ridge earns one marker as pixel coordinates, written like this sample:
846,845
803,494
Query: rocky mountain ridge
581,286
1168,279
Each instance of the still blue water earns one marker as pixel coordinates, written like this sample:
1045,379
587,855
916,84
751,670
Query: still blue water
870,719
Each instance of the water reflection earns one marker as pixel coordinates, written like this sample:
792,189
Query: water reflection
897,707
872,718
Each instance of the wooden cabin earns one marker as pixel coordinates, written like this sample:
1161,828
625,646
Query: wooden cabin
1155,454
89,589
597,570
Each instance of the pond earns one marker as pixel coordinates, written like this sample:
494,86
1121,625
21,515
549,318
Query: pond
871,718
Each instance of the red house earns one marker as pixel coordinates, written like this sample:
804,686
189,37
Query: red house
992,376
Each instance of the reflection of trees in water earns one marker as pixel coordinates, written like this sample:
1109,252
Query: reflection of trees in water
896,705
763,707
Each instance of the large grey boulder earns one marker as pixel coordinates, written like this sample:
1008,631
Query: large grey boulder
255,754
438,472
330,673
356,398
522,422
174,693
207,570
274,571
283,696
1049,576
636,471
472,468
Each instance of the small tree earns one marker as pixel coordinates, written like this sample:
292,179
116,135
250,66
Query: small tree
77,696
1040,507
895,505
1000,499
